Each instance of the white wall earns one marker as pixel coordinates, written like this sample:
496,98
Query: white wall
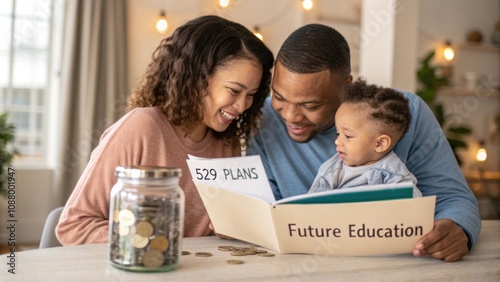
34,198
276,20
405,48
377,41
388,43
143,37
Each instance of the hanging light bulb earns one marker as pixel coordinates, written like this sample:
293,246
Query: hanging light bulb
162,24
448,51
307,4
481,153
223,3
256,32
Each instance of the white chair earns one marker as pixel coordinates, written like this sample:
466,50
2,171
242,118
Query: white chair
49,239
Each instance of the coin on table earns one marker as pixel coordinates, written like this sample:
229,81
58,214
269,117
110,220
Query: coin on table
126,217
144,228
239,253
139,242
246,250
185,253
250,251
152,258
159,243
266,254
225,248
203,254
234,261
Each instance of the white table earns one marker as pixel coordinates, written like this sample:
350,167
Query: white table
89,263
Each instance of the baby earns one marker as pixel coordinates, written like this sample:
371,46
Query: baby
369,122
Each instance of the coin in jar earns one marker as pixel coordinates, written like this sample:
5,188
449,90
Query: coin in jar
234,261
203,254
139,242
126,217
152,258
115,216
159,243
123,230
144,228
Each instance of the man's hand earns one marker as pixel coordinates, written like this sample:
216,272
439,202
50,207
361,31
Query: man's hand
446,241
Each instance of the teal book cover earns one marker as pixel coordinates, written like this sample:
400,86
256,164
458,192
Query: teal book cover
367,193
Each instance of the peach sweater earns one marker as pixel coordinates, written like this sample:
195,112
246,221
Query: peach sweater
142,137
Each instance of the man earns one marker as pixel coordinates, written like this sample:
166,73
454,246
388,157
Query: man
298,131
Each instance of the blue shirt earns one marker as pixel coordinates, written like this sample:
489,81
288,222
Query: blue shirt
291,166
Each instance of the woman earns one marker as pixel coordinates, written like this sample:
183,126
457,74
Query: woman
200,95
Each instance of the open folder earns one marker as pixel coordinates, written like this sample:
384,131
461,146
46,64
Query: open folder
369,220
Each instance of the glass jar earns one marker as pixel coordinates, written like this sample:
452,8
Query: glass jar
146,219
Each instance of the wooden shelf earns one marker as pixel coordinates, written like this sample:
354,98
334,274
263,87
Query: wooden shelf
463,91
480,47
348,21
476,175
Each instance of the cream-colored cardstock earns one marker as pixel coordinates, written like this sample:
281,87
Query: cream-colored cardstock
350,229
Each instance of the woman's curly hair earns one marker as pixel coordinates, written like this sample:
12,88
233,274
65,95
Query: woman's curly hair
386,105
177,78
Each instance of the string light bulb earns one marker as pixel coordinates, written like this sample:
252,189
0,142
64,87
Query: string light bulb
256,32
448,51
307,4
162,24
481,153
223,3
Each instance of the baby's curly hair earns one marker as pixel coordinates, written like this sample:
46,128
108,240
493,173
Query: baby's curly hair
387,106
177,77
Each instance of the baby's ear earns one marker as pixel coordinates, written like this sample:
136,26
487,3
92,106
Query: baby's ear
383,143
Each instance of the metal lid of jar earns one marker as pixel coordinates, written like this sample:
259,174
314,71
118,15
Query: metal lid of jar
147,172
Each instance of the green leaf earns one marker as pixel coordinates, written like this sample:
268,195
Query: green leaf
426,95
430,81
460,130
456,143
439,113
428,58
457,157
7,152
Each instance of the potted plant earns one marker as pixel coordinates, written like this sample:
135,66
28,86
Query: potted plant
431,79
7,150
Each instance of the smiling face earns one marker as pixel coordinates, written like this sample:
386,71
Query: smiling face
229,93
306,102
359,141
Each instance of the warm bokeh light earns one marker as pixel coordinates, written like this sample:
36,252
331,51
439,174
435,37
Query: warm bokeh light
481,155
162,24
307,4
448,52
224,3
256,32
